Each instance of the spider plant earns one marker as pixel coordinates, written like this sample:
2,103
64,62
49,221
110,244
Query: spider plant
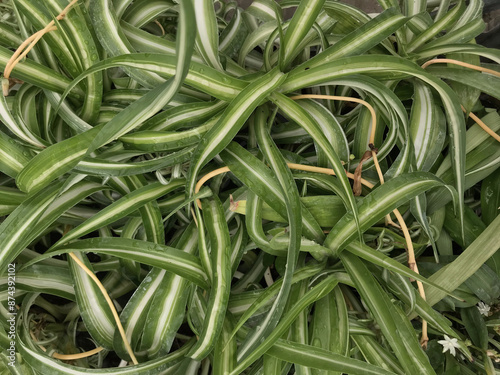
190,187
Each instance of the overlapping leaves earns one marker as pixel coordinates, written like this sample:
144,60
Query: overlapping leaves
112,124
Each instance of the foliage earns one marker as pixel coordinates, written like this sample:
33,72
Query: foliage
275,265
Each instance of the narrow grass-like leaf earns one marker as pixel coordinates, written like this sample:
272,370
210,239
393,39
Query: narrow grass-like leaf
368,64
293,208
464,34
473,49
253,211
318,358
133,316
44,279
9,36
161,256
296,113
140,13
467,263
225,349
256,38
13,156
330,127
121,208
54,161
154,141
17,126
403,341
94,309
103,167
490,197
184,115
39,16
262,10
39,75
301,22
150,211
367,253
231,122
362,39
19,221
315,293
42,362
484,82
427,127
259,179
85,52
207,38
238,244
475,326
374,353
110,36
204,78
330,326
378,203
299,331
326,209
157,98
168,305
32,219
475,137
267,296
218,232
444,23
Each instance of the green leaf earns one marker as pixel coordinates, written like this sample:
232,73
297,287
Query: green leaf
472,79
427,127
142,109
490,197
13,156
475,326
293,210
161,256
94,309
330,126
168,305
377,204
54,161
153,141
299,78
41,278
104,167
330,326
301,23
17,126
362,39
317,292
42,362
318,358
39,75
467,263
297,114
207,37
122,207
396,328
367,253
376,354
231,122
259,179
220,242
444,23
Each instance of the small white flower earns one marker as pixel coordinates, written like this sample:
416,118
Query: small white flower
483,308
449,344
